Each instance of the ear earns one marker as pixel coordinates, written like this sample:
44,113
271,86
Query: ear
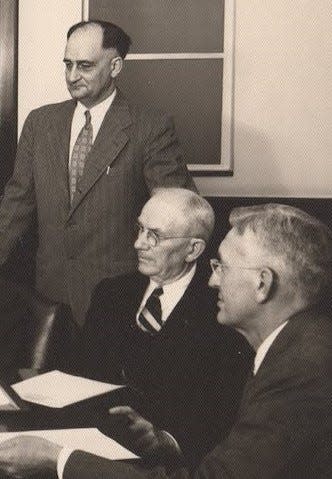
117,64
265,283
196,248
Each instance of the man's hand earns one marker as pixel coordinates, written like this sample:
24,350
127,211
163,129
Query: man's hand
139,435
23,456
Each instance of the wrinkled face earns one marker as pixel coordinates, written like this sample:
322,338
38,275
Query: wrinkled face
167,260
89,66
235,281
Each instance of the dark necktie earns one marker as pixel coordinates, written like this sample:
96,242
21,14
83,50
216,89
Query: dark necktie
80,152
149,319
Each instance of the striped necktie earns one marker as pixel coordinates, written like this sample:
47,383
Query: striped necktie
80,152
149,319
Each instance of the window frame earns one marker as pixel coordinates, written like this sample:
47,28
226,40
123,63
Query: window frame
226,165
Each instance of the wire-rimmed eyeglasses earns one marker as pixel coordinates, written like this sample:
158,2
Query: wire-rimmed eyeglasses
153,237
219,266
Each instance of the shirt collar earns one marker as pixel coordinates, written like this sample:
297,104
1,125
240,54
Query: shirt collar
179,284
100,109
265,346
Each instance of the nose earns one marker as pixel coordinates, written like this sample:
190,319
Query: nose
214,280
141,241
73,73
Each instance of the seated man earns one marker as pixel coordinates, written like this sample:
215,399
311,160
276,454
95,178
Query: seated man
274,277
156,331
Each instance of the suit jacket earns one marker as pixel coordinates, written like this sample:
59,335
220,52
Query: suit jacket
189,376
135,150
284,427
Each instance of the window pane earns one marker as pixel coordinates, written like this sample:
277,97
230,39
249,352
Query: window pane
166,26
190,91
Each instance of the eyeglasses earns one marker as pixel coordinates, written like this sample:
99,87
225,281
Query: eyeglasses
154,238
219,267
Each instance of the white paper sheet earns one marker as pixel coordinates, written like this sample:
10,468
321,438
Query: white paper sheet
57,389
6,402
86,439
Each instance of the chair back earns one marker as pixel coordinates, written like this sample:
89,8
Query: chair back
50,333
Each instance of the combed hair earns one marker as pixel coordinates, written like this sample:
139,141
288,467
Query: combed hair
113,36
197,211
303,242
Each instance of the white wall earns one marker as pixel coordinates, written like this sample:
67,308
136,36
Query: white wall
283,100
283,93
43,25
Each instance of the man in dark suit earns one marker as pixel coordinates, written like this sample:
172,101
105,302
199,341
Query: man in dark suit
185,369
85,167
274,277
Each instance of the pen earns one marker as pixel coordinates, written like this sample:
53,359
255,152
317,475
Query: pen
108,170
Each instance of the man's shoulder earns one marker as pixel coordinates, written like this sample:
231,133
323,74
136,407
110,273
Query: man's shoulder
314,338
53,108
310,327
301,354
119,285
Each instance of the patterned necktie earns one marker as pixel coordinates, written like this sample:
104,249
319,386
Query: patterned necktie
80,152
149,319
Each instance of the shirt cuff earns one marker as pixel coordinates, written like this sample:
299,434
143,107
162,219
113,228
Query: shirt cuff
171,440
62,460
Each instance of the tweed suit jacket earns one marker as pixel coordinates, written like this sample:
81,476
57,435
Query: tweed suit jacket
284,427
189,376
79,244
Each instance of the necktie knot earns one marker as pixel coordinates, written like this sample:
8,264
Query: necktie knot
157,292
87,118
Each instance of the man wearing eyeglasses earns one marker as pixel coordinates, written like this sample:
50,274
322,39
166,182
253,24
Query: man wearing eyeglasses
156,331
274,281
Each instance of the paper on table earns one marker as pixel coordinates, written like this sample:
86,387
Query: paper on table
86,439
6,402
57,389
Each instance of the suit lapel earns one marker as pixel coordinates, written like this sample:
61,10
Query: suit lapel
178,319
109,142
134,296
59,139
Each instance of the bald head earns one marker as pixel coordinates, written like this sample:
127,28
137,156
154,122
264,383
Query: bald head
94,58
191,213
112,36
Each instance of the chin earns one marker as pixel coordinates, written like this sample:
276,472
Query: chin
145,269
222,316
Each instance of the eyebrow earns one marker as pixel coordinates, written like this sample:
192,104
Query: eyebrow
68,60
155,230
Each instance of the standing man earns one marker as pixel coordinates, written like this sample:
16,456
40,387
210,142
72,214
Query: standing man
86,167
273,276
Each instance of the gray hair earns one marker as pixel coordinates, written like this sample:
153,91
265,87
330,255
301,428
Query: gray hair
197,212
304,243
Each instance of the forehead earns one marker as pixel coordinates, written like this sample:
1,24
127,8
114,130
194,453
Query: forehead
240,247
162,214
85,43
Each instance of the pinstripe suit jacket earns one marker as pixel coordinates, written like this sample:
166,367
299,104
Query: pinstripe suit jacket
135,150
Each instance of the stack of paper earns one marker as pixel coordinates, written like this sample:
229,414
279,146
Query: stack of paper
89,440
57,389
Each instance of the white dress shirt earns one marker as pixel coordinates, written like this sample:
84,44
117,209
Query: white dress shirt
265,346
172,293
97,112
